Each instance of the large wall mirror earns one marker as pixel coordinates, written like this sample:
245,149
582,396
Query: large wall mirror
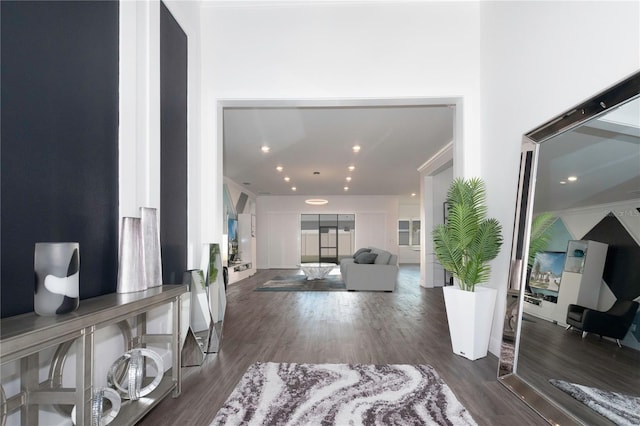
571,343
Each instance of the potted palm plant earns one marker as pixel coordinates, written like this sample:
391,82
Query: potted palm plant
464,245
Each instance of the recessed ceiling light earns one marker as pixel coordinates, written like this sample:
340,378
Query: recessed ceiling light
346,188
287,178
293,188
316,201
356,148
265,148
279,168
563,182
572,178
413,194
352,168
348,178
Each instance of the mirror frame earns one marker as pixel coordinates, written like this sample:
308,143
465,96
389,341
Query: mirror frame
620,93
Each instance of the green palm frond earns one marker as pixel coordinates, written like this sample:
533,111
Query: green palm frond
446,251
540,235
468,241
460,224
487,240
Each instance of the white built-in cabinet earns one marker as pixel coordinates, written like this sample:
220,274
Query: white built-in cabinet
246,266
579,285
581,277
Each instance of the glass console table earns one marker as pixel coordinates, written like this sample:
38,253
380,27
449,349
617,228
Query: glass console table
24,336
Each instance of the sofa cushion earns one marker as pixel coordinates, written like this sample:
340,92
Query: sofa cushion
360,251
383,256
346,260
366,257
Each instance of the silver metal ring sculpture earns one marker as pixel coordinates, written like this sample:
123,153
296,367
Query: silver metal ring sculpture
59,358
97,416
132,387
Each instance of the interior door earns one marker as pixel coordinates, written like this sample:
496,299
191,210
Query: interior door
328,244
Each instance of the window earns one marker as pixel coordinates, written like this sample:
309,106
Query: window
409,232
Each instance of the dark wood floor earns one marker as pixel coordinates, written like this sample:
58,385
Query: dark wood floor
408,326
548,351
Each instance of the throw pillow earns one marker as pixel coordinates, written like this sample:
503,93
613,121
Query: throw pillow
360,251
366,258
383,257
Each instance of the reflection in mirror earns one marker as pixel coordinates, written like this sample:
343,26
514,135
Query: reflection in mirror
571,343
207,291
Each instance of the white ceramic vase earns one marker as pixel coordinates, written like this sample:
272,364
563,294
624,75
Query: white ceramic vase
57,275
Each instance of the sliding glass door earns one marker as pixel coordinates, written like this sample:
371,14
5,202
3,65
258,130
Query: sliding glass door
326,238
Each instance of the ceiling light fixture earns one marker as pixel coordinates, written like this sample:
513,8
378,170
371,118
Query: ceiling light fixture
413,194
348,179
279,168
316,201
352,168
356,148
293,188
563,182
265,149
287,178
572,178
346,188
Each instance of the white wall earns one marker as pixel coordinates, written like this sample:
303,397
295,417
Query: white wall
440,187
278,225
235,190
139,133
538,60
331,50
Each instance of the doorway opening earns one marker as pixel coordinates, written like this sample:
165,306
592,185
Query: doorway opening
278,246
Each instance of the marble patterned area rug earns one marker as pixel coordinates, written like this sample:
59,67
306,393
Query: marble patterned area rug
619,408
341,394
300,283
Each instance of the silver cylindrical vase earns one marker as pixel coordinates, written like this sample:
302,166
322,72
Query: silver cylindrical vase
57,278
130,261
151,246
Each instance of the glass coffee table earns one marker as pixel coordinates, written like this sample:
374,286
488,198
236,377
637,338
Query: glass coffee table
317,271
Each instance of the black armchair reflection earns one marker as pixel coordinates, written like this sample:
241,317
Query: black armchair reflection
613,323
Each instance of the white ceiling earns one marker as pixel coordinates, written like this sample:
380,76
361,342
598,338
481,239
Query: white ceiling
394,140
604,155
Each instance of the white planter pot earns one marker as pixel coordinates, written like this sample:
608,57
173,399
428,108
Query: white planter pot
470,315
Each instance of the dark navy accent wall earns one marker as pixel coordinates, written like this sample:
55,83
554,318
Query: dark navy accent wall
173,147
622,267
59,141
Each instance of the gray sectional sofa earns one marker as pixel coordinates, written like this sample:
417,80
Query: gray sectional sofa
381,275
